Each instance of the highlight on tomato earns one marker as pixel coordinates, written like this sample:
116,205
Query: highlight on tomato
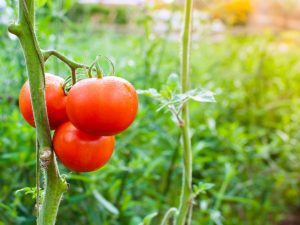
79,151
55,101
104,106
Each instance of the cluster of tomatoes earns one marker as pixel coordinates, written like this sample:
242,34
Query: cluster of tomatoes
86,119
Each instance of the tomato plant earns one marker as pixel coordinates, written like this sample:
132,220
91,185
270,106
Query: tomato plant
104,106
97,108
80,151
55,101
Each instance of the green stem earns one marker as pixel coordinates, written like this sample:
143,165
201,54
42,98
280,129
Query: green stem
69,62
73,76
186,196
168,216
54,184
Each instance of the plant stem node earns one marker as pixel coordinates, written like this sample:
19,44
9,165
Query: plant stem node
15,29
45,157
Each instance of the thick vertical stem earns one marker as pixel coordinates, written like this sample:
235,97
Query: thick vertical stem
54,189
54,185
186,191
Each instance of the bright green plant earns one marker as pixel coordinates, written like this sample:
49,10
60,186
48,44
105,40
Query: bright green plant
175,97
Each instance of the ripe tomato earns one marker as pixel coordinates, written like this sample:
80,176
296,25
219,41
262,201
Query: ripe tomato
103,106
80,151
55,101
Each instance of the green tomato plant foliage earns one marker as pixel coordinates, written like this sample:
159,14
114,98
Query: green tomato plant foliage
245,146
47,203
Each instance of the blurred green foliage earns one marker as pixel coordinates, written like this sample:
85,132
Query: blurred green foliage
246,144
99,13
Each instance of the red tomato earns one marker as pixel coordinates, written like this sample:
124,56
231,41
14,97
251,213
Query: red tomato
55,101
80,151
103,106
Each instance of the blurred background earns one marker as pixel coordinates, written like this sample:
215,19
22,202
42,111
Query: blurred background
247,143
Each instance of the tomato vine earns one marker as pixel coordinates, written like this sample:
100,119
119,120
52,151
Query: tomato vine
54,184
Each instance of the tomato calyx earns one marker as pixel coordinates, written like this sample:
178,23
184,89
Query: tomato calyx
67,85
94,70
69,81
99,70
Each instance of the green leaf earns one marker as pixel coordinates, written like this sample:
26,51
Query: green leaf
147,220
198,95
106,204
27,191
171,87
173,81
149,93
202,187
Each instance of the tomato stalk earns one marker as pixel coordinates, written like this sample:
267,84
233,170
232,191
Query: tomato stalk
72,64
186,197
55,185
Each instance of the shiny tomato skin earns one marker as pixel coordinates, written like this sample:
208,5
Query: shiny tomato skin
55,101
79,151
105,106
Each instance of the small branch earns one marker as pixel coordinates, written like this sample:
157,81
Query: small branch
15,29
168,216
72,64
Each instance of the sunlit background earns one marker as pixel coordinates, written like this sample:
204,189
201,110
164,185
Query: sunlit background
247,143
